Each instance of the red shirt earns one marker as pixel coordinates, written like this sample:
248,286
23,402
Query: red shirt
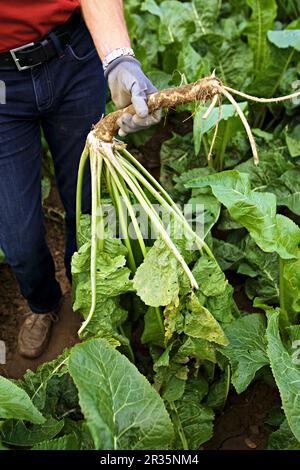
23,21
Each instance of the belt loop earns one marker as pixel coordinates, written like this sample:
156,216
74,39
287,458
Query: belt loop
56,43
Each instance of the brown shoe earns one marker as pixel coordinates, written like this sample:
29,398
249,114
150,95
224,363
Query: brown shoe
35,333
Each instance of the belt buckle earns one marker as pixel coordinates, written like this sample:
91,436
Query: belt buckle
17,61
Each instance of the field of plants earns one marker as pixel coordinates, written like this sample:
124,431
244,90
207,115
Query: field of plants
181,332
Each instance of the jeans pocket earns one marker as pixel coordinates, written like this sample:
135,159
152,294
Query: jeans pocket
74,55
81,47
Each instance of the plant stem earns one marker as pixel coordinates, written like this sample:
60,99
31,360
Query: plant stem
124,226
100,222
172,208
129,208
81,167
180,430
139,236
157,224
93,268
153,217
210,162
284,315
245,123
220,158
152,180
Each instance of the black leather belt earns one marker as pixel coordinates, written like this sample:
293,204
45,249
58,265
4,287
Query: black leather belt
40,51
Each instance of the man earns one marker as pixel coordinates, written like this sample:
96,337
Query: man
55,70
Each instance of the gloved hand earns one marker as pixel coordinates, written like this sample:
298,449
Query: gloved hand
128,84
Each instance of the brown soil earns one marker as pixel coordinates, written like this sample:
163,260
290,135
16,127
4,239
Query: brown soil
241,425
13,306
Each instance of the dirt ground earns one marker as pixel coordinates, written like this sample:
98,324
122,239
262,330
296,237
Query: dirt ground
241,426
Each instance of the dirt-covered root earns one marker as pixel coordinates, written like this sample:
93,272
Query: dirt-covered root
202,90
206,89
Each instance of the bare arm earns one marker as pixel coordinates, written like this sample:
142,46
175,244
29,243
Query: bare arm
127,82
105,20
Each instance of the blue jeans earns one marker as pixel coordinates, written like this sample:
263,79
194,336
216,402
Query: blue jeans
65,97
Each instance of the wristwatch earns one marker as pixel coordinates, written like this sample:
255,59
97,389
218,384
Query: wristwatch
115,54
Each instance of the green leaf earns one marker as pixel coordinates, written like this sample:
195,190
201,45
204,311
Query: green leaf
285,38
122,410
177,157
283,439
271,166
156,279
173,388
38,384
227,112
199,323
17,434
227,254
206,14
229,55
287,190
191,419
189,62
46,188
218,391
290,287
209,276
107,318
292,138
246,350
262,271
221,306
255,211
153,332
112,280
112,277
198,348
190,175
67,442
15,403
211,208
261,21
152,7
286,373
172,28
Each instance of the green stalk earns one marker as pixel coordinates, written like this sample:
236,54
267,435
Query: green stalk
81,167
168,199
152,216
152,180
284,314
124,226
171,208
108,181
220,158
124,193
129,207
178,424
100,222
262,113
93,269
206,150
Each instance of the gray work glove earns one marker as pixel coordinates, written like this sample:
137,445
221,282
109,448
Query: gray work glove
128,84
